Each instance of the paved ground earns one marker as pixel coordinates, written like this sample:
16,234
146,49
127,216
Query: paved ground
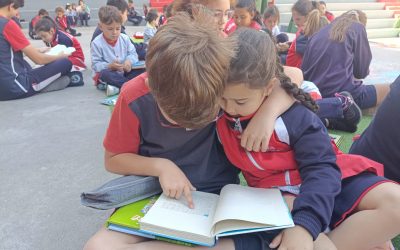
51,151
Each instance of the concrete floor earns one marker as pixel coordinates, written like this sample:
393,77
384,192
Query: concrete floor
51,151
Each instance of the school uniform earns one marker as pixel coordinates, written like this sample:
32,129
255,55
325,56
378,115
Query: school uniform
137,126
231,27
104,52
302,160
339,66
296,50
148,33
17,78
380,141
77,58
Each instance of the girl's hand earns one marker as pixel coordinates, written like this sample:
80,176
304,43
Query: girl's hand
257,134
295,238
174,182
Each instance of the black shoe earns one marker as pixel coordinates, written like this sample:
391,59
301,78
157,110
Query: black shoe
342,124
76,79
351,112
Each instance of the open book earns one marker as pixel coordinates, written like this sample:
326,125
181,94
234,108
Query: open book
60,48
237,210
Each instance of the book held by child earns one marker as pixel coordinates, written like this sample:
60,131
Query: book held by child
237,210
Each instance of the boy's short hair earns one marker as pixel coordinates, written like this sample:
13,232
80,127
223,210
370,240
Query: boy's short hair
151,15
43,12
59,9
187,64
121,5
109,14
17,3
45,24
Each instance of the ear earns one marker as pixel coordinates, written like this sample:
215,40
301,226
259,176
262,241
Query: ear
270,86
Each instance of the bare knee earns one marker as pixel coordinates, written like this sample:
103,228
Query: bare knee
106,239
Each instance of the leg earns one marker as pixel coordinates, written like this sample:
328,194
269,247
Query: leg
113,78
223,244
371,97
381,92
134,73
44,76
375,221
322,242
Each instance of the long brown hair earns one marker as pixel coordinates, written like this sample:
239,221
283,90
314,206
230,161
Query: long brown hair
256,64
187,63
315,22
342,23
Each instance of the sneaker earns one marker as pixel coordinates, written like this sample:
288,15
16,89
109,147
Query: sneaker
76,79
351,112
101,86
341,124
111,90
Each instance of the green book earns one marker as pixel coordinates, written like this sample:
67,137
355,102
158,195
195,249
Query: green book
126,220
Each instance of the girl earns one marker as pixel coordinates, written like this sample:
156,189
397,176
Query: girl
339,56
151,26
17,78
303,163
245,15
47,30
300,11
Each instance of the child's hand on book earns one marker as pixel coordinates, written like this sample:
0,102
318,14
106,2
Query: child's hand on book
294,238
174,182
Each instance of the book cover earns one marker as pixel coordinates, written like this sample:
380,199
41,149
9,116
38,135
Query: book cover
60,48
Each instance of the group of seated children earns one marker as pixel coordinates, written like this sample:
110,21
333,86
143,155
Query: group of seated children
324,188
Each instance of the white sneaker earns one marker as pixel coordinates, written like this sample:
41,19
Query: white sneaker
111,90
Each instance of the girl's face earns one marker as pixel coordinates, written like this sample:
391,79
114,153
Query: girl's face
47,36
241,100
298,19
221,9
271,22
243,17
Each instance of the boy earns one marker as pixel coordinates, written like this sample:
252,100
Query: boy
32,33
17,78
162,124
112,53
62,22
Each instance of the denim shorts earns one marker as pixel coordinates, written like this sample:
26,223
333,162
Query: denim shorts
367,97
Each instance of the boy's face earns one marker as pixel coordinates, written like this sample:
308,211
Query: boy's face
47,36
124,16
242,17
60,14
12,11
239,100
111,31
271,22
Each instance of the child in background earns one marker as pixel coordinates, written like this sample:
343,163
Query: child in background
112,53
62,22
339,56
133,15
300,11
245,15
74,13
17,78
323,187
47,30
70,15
152,20
328,15
32,33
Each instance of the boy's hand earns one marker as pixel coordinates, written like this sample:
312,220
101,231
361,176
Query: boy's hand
127,66
174,182
256,136
295,238
115,66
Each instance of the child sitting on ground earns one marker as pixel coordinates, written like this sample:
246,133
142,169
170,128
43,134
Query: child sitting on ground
151,26
323,187
245,15
112,53
62,22
47,30
32,33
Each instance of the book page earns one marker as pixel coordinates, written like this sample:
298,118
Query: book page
176,215
255,205
60,48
